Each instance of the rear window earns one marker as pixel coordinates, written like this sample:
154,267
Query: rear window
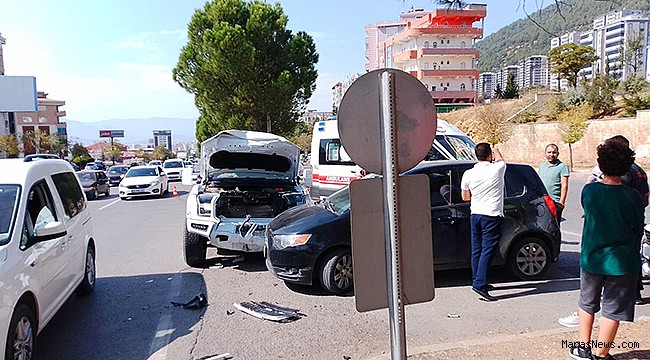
331,152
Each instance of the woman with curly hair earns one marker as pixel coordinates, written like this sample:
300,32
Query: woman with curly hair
609,256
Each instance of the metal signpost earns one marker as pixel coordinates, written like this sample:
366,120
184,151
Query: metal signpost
387,124
111,134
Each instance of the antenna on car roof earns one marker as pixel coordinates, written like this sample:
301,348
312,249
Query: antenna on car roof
34,157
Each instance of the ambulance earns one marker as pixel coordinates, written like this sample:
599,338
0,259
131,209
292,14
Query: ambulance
331,167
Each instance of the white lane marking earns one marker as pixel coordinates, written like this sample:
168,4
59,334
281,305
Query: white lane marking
109,204
158,349
570,233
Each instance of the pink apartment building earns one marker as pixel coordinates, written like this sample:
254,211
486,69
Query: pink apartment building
438,48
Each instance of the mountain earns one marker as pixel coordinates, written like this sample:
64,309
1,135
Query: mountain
136,131
523,37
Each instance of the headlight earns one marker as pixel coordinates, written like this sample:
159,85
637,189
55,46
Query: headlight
155,183
285,241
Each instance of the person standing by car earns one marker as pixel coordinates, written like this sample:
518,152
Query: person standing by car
609,255
555,176
483,185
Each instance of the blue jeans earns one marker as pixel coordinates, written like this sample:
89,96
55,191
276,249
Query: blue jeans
486,234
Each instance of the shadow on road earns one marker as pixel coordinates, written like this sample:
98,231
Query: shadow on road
249,262
125,318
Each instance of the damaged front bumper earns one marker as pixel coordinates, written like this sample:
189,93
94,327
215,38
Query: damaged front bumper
246,235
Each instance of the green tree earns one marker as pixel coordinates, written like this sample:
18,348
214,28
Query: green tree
491,125
115,152
600,94
512,90
38,139
568,59
245,68
161,153
573,125
9,144
632,53
80,155
498,92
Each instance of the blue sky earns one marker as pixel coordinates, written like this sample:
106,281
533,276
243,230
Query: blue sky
113,58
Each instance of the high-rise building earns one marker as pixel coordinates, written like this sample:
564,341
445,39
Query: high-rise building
2,62
339,89
533,71
439,50
502,76
163,138
487,83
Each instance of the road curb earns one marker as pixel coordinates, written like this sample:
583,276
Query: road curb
491,340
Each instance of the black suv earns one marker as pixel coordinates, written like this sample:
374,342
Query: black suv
313,241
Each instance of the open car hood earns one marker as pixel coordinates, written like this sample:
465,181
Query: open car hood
239,149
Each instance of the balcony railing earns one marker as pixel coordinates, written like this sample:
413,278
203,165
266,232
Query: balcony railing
448,72
456,94
448,51
60,113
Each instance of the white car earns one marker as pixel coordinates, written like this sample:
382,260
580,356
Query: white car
173,168
143,181
47,249
155,163
247,179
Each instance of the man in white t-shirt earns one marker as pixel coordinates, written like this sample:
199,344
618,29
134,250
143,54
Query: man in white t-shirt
483,185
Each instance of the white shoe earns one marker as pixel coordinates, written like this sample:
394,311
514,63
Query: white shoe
569,321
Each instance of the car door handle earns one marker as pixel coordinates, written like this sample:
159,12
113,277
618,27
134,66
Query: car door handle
446,220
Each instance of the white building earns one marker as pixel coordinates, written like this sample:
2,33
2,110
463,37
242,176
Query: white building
339,89
502,76
572,37
487,83
533,71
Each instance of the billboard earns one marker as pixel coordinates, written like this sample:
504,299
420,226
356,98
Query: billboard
18,94
111,133
162,133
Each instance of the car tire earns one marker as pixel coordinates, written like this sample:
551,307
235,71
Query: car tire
95,195
87,285
529,258
336,271
22,333
195,248
108,191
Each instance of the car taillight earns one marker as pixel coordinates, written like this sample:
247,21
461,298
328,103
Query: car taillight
551,205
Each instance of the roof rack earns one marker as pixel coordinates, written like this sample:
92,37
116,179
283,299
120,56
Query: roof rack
34,157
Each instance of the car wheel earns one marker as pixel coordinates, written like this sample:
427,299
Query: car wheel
195,247
95,194
21,338
529,258
88,283
108,191
336,272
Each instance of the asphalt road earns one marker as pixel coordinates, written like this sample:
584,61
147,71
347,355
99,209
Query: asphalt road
141,270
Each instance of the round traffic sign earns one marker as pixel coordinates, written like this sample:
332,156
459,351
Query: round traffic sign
360,120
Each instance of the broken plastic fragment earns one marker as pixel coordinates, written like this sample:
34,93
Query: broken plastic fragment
223,356
267,311
453,316
198,302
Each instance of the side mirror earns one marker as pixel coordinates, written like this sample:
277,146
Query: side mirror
308,177
49,231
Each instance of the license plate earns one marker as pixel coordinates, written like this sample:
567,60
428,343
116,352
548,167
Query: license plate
138,191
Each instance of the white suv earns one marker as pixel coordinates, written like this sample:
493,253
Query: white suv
47,250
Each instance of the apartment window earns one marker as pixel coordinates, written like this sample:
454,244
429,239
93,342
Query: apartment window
462,65
433,88
426,66
435,66
447,62
426,44
463,44
447,41
447,84
42,108
462,87
435,44
42,119
463,24
446,23
27,119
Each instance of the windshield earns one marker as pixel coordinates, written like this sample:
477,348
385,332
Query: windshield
141,172
118,170
9,195
173,164
154,163
217,175
339,202
86,176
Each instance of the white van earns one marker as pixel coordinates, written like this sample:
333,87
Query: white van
332,168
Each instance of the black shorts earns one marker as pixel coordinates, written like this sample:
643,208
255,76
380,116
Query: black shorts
618,294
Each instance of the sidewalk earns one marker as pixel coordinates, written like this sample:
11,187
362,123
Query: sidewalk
536,345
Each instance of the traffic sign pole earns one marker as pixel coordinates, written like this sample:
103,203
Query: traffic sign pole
391,220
